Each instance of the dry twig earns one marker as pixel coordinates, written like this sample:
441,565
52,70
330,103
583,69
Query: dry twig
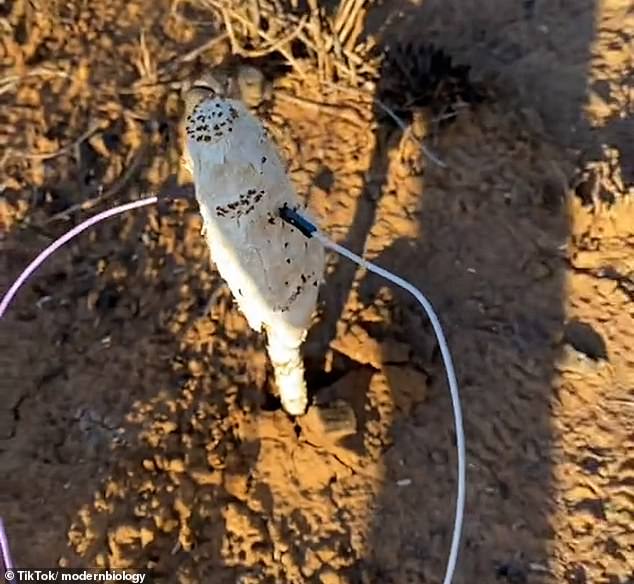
10,81
114,189
343,112
280,45
94,127
407,134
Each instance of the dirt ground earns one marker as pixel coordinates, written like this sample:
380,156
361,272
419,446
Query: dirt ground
138,423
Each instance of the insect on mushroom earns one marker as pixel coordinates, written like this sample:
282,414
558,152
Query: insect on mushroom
241,184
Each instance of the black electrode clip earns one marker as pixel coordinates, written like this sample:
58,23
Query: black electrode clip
296,220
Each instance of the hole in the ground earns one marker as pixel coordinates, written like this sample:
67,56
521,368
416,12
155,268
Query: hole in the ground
590,189
584,190
325,179
512,572
271,403
585,340
317,378
108,299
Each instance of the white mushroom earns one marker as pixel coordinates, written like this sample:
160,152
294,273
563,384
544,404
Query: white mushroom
273,271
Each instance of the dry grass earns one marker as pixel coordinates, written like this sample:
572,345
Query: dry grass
331,41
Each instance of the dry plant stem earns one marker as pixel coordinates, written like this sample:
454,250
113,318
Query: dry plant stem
329,64
366,97
343,14
308,42
174,4
111,192
145,65
315,29
406,134
345,113
353,38
94,127
345,60
345,72
352,56
9,82
193,54
350,24
351,59
344,21
341,63
271,13
235,48
253,9
275,44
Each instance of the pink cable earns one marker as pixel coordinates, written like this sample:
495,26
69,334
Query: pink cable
5,554
40,259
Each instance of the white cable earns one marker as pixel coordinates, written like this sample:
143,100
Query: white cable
451,380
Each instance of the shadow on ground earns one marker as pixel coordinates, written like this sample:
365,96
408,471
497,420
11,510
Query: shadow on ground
488,253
